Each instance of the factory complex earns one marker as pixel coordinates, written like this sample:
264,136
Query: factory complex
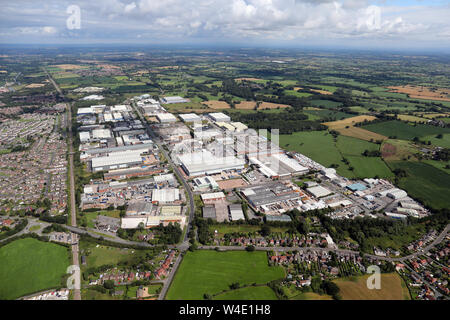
235,173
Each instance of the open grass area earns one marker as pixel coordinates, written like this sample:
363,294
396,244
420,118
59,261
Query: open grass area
332,153
91,216
306,142
240,228
346,127
355,288
444,142
98,255
328,114
353,146
425,182
211,272
394,149
325,103
90,294
369,167
441,165
403,130
311,296
29,265
249,293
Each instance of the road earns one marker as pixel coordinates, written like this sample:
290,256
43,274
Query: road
73,210
185,243
175,170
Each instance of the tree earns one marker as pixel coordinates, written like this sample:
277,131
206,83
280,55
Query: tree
108,284
265,230
250,248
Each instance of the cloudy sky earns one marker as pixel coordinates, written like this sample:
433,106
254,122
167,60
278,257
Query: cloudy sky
296,23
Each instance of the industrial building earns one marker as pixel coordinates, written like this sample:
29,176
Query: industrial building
171,210
175,99
277,165
282,218
212,197
236,212
190,117
209,212
117,160
85,136
397,194
136,208
219,117
148,221
165,195
204,162
319,191
166,117
101,134
205,182
356,187
273,197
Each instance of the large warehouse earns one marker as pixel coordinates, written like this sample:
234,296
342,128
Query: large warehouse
190,117
219,117
176,99
204,162
117,160
166,117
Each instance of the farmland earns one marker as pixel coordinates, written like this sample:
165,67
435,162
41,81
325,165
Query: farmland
29,265
99,255
248,293
425,182
392,288
404,131
332,152
211,272
423,92
346,127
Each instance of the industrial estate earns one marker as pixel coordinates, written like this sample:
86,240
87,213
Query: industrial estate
191,176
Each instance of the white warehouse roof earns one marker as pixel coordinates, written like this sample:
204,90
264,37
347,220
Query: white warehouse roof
190,117
166,117
219,117
319,191
117,158
165,195
204,162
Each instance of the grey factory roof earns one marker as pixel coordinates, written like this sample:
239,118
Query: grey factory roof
282,218
209,212
122,148
269,194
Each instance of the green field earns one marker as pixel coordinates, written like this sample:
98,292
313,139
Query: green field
332,153
29,265
104,255
306,142
350,146
425,182
211,272
249,293
404,130
364,167
328,115
444,142
369,167
325,103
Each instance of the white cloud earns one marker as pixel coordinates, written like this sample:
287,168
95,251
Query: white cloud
234,20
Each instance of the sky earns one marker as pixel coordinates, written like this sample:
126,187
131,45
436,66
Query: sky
399,24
